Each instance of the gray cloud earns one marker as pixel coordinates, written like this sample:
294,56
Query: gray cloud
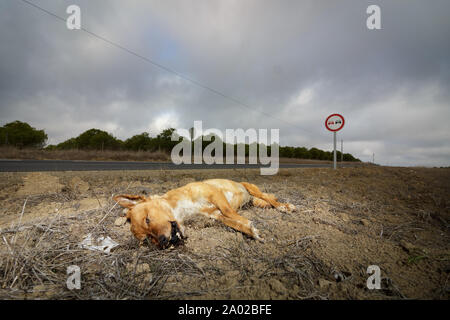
296,60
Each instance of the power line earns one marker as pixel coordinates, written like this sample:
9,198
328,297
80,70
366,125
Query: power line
195,82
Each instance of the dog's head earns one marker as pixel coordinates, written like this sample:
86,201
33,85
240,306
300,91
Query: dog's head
151,217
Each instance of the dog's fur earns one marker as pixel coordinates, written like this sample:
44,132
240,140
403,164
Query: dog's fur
161,217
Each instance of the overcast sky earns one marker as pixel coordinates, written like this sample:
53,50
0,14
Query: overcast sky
298,61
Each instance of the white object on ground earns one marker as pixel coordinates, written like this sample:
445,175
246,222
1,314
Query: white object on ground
101,244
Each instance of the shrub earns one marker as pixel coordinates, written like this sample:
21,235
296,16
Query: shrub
21,134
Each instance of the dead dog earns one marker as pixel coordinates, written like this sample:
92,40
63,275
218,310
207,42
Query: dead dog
161,217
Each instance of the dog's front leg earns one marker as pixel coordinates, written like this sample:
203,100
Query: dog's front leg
236,222
242,224
230,217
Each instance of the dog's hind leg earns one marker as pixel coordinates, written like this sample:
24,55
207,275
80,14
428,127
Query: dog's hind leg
267,197
260,203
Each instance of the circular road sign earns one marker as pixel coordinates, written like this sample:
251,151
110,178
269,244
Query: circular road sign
334,122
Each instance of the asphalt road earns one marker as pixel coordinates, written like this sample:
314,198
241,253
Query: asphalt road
69,165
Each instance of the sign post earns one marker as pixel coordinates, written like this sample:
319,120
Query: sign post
334,123
334,151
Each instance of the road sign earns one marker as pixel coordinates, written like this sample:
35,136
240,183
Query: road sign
334,122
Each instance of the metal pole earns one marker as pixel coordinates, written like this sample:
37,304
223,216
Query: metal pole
334,144
342,150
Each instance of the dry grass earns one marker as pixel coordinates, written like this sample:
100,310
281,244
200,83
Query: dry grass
38,254
37,154
348,219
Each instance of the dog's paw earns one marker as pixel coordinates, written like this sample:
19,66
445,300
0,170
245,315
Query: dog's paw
255,234
287,207
260,239
291,207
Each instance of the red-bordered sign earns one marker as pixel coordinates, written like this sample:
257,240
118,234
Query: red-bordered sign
334,122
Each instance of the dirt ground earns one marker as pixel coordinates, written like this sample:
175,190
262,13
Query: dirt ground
347,220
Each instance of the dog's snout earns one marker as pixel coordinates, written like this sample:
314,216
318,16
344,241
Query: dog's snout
176,236
174,226
162,239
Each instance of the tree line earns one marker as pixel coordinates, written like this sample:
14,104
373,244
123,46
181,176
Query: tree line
20,134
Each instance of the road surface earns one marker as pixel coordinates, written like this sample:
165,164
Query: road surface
74,165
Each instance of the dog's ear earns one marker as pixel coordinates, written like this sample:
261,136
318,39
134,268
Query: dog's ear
128,200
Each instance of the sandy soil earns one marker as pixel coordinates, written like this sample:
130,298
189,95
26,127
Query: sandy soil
347,220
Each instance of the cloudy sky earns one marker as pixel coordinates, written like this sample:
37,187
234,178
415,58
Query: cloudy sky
292,62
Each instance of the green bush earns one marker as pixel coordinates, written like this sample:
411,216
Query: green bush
93,139
140,142
20,134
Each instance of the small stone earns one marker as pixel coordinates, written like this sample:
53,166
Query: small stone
78,185
325,284
120,221
408,247
365,222
277,286
344,216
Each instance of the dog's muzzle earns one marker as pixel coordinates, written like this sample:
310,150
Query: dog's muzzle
176,237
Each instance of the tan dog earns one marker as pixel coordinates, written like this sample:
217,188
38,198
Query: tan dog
161,217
